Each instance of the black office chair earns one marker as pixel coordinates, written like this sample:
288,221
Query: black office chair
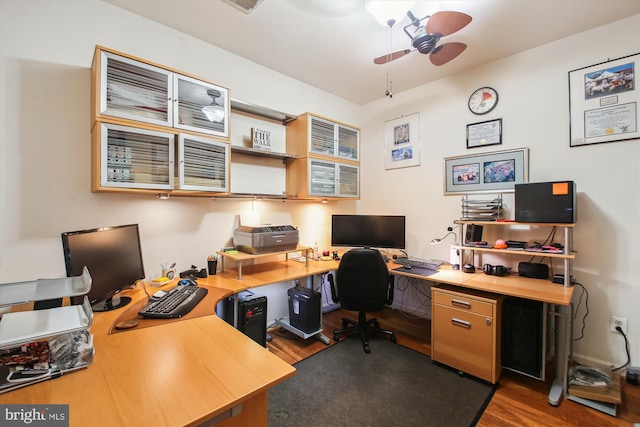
364,285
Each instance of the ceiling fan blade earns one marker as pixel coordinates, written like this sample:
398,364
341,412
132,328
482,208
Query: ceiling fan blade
391,56
446,52
446,23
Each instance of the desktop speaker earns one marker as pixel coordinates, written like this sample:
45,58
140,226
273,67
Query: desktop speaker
546,202
473,233
523,336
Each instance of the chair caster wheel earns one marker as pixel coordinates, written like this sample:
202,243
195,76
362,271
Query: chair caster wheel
376,324
393,339
336,338
344,323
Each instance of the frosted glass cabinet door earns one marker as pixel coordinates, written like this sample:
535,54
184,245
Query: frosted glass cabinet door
347,142
135,90
203,164
348,180
322,178
200,106
136,158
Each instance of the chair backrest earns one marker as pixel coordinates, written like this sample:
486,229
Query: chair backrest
363,280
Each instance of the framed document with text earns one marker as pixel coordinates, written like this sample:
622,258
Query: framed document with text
484,133
603,102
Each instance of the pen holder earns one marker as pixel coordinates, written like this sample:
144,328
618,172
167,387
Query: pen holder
213,266
169,273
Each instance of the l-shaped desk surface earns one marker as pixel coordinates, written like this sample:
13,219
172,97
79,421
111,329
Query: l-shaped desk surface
199,368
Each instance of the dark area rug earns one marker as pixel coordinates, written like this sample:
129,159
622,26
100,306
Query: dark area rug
391,386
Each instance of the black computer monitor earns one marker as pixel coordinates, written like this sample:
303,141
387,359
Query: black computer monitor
373,231
113,256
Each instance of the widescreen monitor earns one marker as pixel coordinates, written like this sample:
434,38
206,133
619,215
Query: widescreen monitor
113,256
373,231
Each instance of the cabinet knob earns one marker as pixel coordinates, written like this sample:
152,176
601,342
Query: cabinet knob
487,321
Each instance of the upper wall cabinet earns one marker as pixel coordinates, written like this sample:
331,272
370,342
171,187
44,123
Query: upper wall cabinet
315,135
157,130
133,89
327,159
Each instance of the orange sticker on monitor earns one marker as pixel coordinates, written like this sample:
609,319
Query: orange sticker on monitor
560,188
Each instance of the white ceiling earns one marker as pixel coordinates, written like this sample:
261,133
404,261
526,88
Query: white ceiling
330,44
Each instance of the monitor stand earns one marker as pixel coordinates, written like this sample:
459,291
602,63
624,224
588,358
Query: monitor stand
111,303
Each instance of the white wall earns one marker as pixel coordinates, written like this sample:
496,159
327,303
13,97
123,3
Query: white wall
533,104
46,49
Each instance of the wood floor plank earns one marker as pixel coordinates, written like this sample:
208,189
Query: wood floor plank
518,401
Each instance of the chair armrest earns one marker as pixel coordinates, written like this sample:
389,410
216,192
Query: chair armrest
334,294
390,289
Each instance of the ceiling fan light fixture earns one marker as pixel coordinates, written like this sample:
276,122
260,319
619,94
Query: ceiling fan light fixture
388,12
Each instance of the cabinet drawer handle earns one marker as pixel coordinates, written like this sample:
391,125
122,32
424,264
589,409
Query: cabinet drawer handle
460,303
461,323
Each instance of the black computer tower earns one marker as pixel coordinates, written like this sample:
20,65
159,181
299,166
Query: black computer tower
524,336
252,317
305,309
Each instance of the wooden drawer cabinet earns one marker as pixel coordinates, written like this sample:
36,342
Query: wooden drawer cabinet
465,331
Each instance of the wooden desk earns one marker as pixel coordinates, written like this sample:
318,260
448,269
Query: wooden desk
521,287
179,372
193,370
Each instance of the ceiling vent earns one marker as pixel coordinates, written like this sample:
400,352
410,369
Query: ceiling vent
246,6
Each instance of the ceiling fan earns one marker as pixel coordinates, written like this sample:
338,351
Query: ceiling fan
425,38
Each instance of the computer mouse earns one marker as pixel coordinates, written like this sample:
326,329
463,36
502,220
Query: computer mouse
187,282
408,267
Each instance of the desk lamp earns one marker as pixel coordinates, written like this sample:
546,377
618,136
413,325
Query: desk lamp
454,257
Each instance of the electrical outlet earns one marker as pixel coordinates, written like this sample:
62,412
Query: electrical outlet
618,321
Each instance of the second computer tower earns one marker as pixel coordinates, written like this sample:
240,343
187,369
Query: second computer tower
252,317
524,336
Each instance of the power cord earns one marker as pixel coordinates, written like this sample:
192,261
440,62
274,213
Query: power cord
626,341
586,313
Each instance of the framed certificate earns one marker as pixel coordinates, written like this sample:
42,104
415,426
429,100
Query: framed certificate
484,133
603,102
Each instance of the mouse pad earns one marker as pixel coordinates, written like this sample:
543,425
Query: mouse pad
417,271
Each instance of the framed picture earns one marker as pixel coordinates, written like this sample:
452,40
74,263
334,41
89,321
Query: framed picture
484,133
603,102
496,172
402,142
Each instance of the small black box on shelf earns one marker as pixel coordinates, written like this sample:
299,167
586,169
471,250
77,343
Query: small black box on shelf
551,202
304,309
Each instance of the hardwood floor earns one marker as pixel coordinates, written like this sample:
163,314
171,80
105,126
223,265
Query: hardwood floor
518,401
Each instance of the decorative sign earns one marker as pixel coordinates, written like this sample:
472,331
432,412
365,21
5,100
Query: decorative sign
261,139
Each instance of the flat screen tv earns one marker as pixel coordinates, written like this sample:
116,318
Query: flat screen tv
373,231
113,256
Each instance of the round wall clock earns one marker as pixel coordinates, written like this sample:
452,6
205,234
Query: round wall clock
483,100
